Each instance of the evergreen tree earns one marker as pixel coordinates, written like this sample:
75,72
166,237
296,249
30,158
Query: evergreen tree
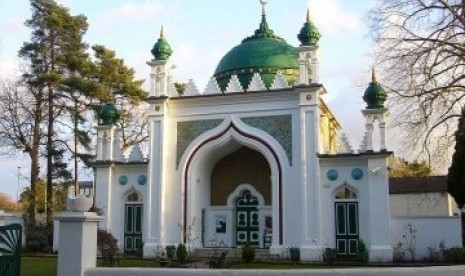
456,176
55,53
68,85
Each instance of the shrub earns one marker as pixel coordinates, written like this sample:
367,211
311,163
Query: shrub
294,252
455,255
170,251
37,241
248,253
106,241
330,255
181,253
362,251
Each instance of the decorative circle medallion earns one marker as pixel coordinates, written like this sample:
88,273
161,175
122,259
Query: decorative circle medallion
142,179
332,175
357,174
123,180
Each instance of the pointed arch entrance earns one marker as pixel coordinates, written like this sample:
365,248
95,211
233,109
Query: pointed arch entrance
199,163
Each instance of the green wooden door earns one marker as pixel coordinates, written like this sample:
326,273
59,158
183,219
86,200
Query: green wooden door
133,229
247,220
346,229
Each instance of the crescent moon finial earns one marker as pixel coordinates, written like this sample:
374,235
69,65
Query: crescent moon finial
263,2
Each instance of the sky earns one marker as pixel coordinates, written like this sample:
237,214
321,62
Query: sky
200,33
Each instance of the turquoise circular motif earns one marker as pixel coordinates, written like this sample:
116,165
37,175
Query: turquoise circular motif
332,175
123,180
357,174
142,179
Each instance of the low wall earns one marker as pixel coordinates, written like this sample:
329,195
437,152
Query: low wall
379,271
420,233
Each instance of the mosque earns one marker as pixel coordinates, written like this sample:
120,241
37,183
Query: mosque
256,158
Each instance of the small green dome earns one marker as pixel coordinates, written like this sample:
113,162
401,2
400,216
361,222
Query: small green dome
109,115
309,34
375,95
161,50
264,53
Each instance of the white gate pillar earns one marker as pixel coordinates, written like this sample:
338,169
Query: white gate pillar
77,248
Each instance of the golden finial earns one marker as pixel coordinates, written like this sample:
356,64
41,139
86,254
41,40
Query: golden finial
162,35
374,77
309,18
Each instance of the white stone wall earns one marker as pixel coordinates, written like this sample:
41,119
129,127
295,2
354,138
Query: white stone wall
419,233
422,204
111,196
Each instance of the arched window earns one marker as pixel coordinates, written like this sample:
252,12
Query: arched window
345,193
133,197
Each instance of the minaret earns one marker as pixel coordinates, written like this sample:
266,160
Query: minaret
375,112
159,75
309,63
108,135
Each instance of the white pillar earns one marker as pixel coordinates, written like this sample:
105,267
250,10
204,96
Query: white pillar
77,249
309,61
154,213
379,245
160,71
303,69
369,126
382,134
311,247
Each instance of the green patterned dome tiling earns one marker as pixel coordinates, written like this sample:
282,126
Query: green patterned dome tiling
162,49
309,34
264,53
109,115
375,95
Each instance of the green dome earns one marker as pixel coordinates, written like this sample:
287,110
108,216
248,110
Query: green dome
263,53
109,115
161,50
309,34
375,95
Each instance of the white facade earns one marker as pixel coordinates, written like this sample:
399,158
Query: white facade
300,187
177,192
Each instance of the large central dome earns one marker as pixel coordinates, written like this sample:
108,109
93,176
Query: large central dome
263,53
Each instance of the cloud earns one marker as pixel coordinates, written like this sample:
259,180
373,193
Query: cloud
332,19
131,12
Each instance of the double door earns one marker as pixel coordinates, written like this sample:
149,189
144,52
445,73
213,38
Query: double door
347,233
133,229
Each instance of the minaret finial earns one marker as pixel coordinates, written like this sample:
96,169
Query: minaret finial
263,2
162,35
374,77
309,18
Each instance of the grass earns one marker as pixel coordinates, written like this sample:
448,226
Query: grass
47,266
260,265
38,266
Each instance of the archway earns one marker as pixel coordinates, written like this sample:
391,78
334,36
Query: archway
199,166
347,222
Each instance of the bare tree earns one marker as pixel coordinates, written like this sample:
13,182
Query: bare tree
22,109
421,53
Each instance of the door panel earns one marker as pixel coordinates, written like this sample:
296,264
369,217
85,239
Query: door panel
247,220
133,228
347,234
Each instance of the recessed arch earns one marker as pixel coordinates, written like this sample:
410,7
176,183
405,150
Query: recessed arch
132,195
215,141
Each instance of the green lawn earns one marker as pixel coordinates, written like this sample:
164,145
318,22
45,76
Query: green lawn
38,266
47,266
286,266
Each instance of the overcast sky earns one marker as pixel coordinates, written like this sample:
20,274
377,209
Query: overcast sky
200,33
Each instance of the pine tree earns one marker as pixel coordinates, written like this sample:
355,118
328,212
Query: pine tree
456,176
